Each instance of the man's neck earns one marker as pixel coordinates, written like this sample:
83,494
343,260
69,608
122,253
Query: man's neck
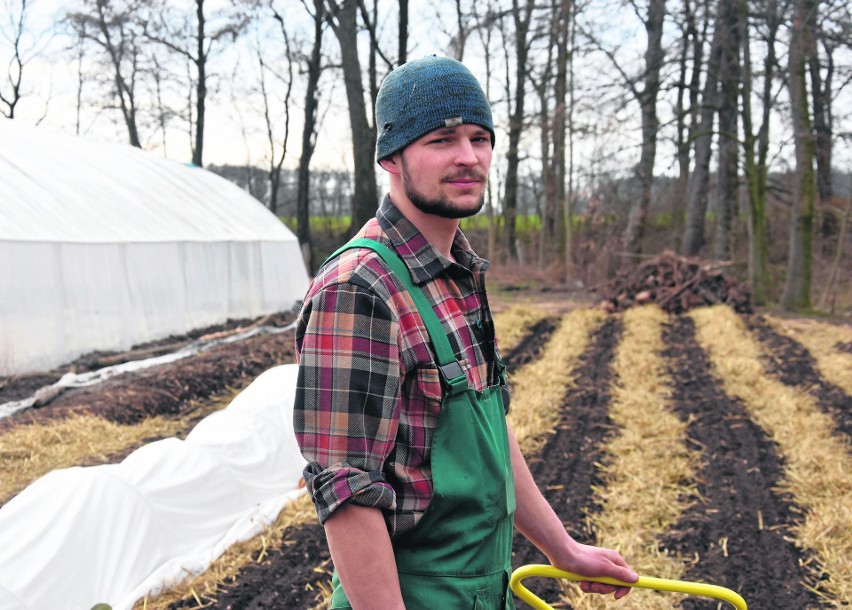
437,230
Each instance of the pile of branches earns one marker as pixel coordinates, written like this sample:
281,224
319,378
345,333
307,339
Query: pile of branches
676,284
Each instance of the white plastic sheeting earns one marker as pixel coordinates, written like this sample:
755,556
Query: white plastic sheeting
114,533
104,246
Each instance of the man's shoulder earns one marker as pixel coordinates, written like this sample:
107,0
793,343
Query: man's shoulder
357,266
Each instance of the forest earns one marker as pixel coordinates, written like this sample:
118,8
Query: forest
712,128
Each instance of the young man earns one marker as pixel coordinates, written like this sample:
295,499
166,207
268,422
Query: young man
401,399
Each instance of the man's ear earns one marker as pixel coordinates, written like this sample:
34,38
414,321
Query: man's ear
391,164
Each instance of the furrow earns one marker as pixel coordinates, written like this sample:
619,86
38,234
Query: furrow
817,473
793,365
828,345
563,462
735,533
647,466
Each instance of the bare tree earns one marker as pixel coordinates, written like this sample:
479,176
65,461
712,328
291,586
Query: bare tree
276,154
797,285
343,18
690,63
522,18
14,32
484,26
728,174
115,29
647,98
309,135
755,161
190,37
645,89
696,207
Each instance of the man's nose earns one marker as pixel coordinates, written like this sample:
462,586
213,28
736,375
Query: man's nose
466,153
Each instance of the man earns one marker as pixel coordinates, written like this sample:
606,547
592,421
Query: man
401,399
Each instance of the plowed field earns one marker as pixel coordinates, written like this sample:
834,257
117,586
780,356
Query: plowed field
709,446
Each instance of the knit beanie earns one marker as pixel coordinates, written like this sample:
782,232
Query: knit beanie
427,94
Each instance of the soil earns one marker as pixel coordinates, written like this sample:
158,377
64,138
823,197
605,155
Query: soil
169,389
737,529
739,474
794,366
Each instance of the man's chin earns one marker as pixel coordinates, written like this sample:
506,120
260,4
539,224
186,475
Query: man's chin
447,209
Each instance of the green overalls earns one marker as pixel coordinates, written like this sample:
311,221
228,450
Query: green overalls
458,556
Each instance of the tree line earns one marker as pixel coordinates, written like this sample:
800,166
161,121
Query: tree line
724,108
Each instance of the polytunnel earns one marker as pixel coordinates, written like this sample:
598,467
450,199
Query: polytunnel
104,246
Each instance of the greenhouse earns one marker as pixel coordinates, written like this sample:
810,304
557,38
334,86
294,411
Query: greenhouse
105,246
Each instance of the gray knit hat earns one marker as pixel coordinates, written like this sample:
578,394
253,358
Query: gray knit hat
427,94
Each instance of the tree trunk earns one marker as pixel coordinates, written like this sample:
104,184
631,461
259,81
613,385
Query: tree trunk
755,170
516,124
696,208
569,195
650,125
303,213
343,19
797,286
729,76
201,87
560,90
402,53
822,135
682,145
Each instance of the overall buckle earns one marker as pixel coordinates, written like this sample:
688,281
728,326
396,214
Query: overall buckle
453,376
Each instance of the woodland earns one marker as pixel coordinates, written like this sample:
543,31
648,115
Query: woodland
711,128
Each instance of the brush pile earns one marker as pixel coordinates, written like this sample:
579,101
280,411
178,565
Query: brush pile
676,284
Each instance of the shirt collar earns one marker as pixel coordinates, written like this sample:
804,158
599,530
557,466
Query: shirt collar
423,260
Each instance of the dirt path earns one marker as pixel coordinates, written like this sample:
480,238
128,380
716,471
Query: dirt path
738,530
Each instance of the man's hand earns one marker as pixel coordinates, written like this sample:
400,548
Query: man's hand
536,520
595,561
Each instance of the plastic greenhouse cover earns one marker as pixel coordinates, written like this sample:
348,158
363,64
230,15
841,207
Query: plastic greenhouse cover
58,187
105,246
118,532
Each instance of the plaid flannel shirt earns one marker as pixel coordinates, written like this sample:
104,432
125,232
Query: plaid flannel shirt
369,391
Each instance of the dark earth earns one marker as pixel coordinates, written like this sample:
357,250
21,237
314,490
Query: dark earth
738,478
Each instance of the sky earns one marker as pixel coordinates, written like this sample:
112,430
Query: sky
236,134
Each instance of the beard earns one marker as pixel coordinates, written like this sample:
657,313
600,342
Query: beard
440,206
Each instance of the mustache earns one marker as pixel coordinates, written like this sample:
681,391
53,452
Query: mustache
466,175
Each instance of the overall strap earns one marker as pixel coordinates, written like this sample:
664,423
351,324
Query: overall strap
452,372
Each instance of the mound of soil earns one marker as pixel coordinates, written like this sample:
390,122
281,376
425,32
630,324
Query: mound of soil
167,389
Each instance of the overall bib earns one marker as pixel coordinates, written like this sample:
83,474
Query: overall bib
458,556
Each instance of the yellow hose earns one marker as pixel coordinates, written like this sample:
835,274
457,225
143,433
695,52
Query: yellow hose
644,582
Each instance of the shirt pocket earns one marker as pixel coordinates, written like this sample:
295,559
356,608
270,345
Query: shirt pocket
426,385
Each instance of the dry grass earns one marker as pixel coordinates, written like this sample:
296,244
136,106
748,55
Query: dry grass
820,340
818,470
30,451
511,325
646,465
539,387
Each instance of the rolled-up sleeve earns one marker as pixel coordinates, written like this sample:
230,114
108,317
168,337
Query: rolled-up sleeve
346,412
